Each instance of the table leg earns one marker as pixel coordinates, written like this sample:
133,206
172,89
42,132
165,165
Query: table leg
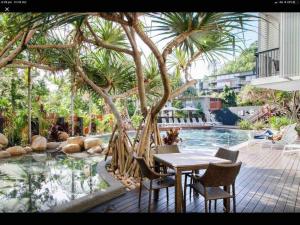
178,192
156,191
226,202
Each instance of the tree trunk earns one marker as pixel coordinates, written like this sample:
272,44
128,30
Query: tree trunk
29,103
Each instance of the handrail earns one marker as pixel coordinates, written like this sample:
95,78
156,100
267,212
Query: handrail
269,50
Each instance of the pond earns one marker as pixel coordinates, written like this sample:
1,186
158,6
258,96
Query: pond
38,182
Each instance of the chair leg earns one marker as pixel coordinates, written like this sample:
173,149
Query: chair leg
167,190
234,206
150,192
209,205
205,205
149,202
191,182
185,187
215,205
140,194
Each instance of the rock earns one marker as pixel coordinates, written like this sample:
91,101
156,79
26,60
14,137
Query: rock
95,149
4,154
62,144
63,136
71,148
3,141
1,147
39,144
34,137
131,187
53,145
75,140
16,150
28,149
91,142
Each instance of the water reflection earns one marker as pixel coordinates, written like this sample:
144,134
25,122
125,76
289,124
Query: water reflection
40,182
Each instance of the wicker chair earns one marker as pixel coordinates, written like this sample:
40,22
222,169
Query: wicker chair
155,180
221,153
215,176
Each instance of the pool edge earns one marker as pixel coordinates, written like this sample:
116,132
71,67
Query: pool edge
115,189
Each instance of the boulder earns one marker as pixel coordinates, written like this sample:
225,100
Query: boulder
53,145
4,154
75,140
34,137
3,141
28,149
16,150
95,149
62,136
91,142
39,144
1,147
71,148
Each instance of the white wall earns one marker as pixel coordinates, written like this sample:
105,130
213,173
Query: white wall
290,44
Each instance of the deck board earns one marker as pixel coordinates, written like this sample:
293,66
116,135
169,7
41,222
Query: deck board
268,182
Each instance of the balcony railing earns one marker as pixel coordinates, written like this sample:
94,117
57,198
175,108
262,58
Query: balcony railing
267,63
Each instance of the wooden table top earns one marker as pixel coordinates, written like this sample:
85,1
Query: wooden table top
188,160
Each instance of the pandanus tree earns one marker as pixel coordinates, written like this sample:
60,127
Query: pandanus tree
185,31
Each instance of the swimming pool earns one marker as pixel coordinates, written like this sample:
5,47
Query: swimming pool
211,140
203,139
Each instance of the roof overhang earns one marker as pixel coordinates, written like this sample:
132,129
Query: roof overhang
278,83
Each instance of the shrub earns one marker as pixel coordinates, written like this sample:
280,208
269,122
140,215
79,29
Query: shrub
245,125
276,121
136,120
258,125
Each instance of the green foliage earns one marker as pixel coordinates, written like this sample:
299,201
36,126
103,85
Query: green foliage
245,62
106,124
190,92
258,125
277,122
199,112
228,96
136,120
178,104
245,125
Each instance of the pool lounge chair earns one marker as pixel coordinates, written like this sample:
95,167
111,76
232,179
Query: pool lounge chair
176,122
182,122
194,121
289,136
163,122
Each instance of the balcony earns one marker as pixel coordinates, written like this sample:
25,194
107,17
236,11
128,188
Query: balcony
267,63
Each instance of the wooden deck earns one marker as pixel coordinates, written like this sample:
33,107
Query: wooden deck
268,182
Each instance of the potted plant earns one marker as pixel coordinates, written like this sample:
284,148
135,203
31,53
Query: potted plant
172,137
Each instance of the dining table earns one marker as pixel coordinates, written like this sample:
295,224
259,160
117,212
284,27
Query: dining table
181,162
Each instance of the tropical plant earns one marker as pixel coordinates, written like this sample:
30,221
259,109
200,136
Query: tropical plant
276,122
228,97
258,125
245,125
136,120
172,137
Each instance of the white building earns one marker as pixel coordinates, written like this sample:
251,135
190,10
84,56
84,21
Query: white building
278,56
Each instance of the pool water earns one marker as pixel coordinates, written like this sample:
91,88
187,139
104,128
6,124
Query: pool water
202,139
38,182
211,140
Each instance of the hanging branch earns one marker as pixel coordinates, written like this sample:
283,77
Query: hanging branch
138,68
100,43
